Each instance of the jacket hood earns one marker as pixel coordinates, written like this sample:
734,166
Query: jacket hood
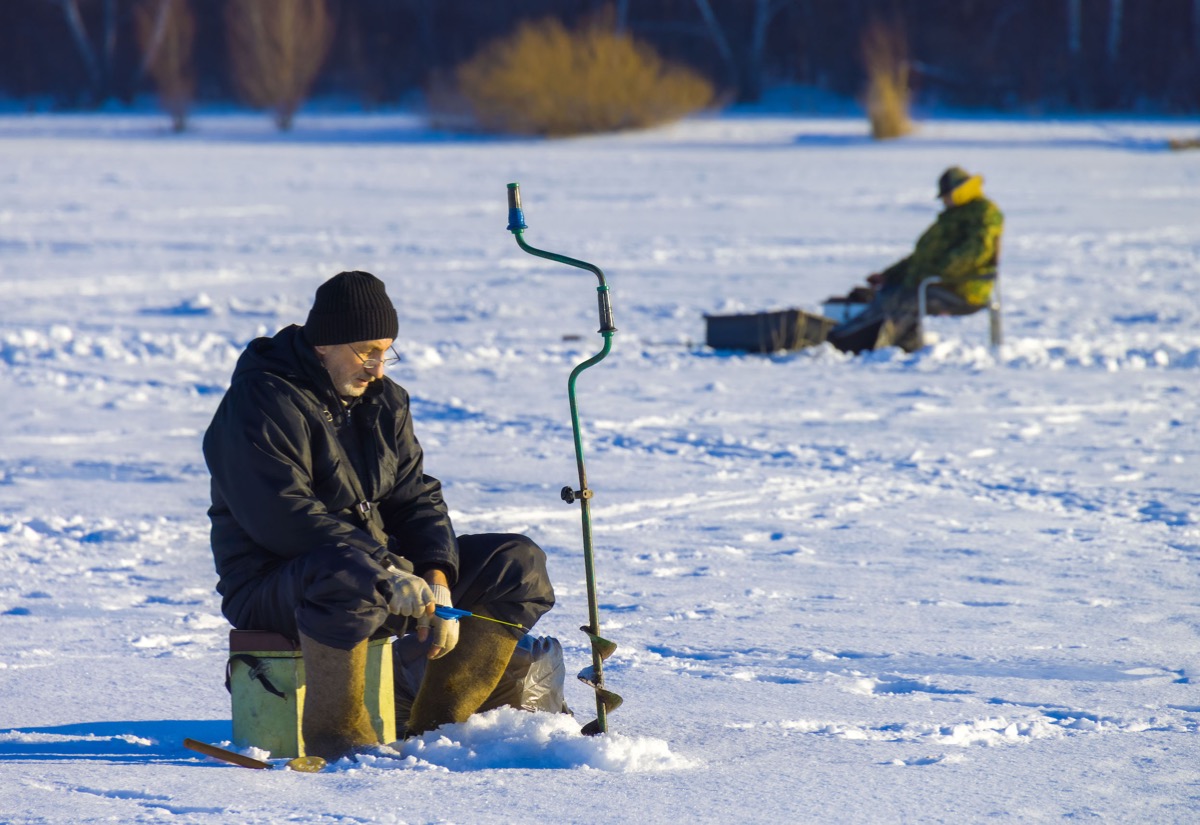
288,354
969,190
285,354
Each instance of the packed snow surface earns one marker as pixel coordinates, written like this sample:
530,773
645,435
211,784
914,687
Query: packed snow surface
953,586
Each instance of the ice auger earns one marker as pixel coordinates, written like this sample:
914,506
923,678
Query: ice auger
606,700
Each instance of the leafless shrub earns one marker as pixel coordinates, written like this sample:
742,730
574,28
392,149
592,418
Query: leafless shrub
546,80
276,49
166,30
888,96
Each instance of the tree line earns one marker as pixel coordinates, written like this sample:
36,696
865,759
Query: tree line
1020,55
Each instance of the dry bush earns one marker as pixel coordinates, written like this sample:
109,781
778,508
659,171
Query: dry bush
166,30
887,97
546,80
276,48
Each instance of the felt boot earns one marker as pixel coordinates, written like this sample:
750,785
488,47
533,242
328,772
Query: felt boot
335,721
458,683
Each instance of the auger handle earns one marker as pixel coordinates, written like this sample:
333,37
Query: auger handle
516,215
606,316
517,226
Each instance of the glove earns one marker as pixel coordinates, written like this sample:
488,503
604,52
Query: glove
443,632
410,595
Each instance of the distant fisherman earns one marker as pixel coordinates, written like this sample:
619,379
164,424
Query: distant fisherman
962,249
325,527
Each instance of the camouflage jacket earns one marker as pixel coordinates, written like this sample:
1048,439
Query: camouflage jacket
964,244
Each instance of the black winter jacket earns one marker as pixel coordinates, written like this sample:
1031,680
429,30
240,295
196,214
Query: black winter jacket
290,462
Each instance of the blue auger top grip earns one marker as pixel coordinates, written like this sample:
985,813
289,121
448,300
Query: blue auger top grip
516,215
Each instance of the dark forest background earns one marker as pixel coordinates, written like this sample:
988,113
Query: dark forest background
1019,55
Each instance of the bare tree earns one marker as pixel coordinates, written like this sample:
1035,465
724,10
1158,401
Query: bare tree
622,16
276,48
764,11
1115,24
110,43
166,30
1074,27
98,66
719,39
750,46
1196,25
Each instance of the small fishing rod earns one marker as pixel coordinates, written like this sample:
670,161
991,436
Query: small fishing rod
454,613
606,700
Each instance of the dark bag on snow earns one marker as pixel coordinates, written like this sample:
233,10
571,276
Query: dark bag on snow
535,679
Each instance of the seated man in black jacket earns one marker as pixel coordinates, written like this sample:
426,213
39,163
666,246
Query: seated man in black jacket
325,527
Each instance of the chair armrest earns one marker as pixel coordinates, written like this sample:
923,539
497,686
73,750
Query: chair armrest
922,288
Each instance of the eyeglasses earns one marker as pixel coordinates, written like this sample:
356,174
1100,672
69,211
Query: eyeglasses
372,363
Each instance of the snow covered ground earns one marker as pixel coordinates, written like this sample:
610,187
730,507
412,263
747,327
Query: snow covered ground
955,586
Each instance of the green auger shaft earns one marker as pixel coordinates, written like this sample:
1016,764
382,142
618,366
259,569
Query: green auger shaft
601,648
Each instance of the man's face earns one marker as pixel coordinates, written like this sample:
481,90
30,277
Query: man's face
344,363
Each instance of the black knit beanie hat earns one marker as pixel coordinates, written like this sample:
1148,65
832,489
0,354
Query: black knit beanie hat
349,307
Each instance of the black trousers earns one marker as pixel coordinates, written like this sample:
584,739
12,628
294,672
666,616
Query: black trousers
337,596
891,319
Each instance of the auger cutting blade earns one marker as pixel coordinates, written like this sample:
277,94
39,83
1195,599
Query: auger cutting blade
600,644
588,677
610,702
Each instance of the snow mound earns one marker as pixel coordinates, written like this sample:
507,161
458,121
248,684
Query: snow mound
71,346
508,738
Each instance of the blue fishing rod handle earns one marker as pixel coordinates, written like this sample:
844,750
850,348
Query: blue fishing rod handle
444,612
516,215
